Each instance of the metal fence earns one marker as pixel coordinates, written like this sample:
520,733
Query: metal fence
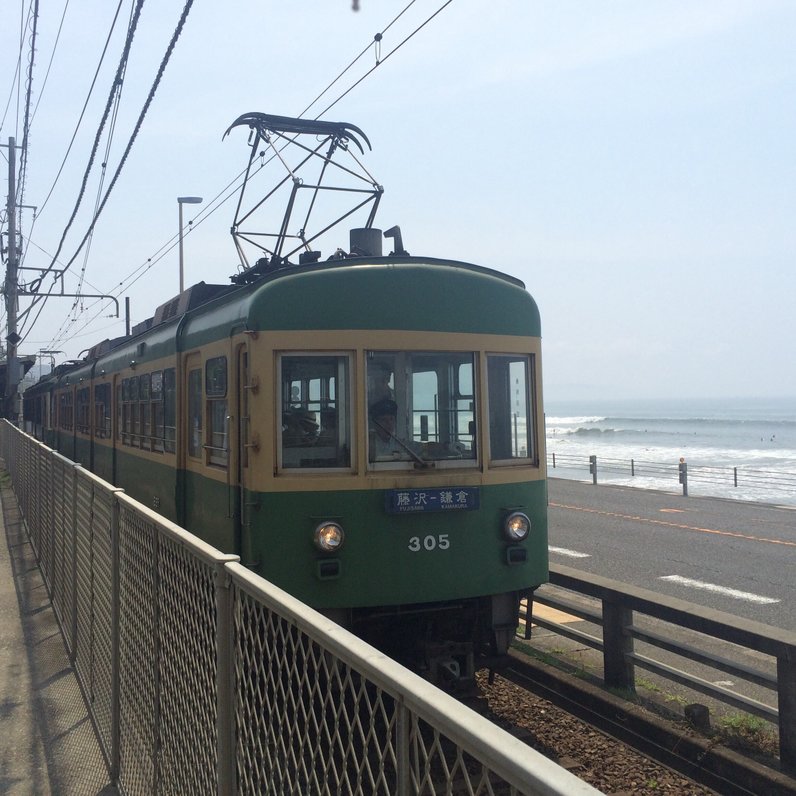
623,612
201,677
744,482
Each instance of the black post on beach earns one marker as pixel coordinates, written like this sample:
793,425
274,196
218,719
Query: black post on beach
684,476
593,468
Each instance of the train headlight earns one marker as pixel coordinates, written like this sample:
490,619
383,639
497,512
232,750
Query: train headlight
329,537
517,526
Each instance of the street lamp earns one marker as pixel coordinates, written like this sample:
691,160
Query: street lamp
185,200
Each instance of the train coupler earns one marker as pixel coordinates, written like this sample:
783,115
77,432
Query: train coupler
450,665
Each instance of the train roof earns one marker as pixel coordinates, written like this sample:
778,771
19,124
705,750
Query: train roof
411,293
365,292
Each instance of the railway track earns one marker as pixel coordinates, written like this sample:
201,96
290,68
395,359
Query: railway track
612,744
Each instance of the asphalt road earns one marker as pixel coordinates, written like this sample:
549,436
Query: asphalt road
732,556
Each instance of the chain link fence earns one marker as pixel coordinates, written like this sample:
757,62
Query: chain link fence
201,677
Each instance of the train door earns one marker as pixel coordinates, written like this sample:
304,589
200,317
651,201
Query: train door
245,499
66,414
116,424
191,445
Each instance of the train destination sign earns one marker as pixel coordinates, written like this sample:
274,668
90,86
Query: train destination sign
452,498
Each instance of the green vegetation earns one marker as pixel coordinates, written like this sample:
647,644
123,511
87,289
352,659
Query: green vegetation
648,685
570,661
743,732
748,734
742,724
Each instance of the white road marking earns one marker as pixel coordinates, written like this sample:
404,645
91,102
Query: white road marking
734,593
562,551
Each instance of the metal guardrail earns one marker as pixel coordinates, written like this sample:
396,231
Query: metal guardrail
621,603
201,677
680,473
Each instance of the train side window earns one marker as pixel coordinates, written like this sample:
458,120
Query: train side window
102,411
145,410
124,413
127,412
195,413
135,417
316,411
511,429
83,411
118,405
216,392
156,398
170,410
65,410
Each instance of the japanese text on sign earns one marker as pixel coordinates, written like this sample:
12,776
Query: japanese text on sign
409,501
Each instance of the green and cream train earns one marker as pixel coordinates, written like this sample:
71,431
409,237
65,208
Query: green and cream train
364,432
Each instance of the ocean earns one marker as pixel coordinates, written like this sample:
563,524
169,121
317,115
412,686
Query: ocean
724,442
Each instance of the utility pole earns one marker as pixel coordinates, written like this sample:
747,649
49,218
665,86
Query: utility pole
11,288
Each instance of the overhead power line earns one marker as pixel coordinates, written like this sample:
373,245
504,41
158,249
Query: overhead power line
231,188
26,123
164,62
118,79
85,105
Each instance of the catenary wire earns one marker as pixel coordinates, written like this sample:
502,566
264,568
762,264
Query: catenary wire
52,58
120,70
142,115
42,298
210,209
23,166
365,49
103,172
83,111
37,215
15,81
150,97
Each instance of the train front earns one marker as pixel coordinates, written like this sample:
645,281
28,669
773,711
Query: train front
393,471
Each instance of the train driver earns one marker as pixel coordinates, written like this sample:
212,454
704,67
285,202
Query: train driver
299,427
384,443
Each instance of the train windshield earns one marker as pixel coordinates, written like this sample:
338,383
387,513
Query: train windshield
421,406
316,412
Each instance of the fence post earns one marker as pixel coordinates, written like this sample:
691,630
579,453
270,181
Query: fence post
618,668
593,468
225,728
684,476
73,470
116,697
786,684
402,762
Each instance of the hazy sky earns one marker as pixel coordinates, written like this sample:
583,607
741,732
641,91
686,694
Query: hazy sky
633,162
